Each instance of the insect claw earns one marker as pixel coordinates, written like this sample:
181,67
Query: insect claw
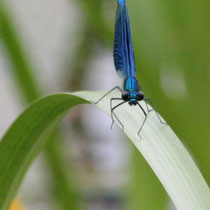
112,124
140,137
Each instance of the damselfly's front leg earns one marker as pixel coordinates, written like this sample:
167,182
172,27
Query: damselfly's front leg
117,87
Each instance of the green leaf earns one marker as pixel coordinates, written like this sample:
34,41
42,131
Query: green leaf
23,72
26,137
20,65
161,148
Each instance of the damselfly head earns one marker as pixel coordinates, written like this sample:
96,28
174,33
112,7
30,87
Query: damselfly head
132,96
132,102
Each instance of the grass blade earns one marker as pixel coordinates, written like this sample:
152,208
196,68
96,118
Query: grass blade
161,148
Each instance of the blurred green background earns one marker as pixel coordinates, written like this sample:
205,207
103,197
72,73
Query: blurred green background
65,45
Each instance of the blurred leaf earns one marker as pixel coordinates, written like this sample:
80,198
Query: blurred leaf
159,145
65,193
172,47
81,59
21,67
29,88
172,51
93,11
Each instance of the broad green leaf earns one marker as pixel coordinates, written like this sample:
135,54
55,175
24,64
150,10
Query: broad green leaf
165,154
25,138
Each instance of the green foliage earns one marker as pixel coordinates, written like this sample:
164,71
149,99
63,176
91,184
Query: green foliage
23,73
172,45
159,145
21,67
25,138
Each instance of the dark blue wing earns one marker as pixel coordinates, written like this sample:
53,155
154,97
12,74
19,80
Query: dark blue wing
123,49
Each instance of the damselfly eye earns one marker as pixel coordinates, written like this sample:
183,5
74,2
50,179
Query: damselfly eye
140,96
125,95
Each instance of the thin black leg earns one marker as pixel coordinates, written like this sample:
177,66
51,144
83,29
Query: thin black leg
143,121
117,87
153,108
112,111
114,99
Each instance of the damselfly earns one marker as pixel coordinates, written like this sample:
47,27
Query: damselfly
125,67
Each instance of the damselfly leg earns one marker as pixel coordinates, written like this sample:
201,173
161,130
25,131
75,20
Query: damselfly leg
113,114
143,121
153,109
112,111
117,87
